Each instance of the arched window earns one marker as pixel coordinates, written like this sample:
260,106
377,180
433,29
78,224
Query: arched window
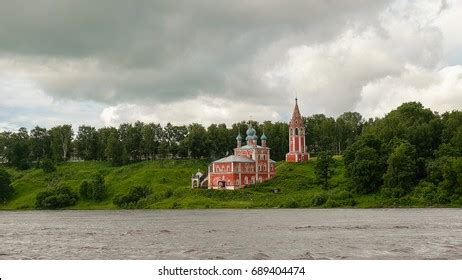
253,180
246,180
264,167
296,131
237,182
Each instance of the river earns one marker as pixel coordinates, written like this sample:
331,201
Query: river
233,234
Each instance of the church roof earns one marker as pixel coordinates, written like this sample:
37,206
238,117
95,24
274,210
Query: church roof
250,147
296,120
235,158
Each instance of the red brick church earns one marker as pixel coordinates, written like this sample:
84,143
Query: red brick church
251,163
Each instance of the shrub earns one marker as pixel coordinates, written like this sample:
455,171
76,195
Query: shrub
6,190
56,197
319,200
430,194
94,189
48,166
291,204
134,195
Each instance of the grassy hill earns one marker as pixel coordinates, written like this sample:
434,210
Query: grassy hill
294,186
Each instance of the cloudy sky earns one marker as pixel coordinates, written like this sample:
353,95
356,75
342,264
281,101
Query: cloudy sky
111,61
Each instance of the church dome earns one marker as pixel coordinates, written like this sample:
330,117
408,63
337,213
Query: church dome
263,137
251,131
239,137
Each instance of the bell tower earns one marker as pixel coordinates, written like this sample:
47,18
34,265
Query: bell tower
297,146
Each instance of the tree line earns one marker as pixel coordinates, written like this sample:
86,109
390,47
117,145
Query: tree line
146,141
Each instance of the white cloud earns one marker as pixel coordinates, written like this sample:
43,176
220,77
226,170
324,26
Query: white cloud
440,91
203,109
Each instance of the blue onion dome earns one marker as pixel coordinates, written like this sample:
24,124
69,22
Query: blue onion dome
251,131
263,137
239,137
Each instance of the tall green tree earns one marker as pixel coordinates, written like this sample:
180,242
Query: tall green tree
366,170
87,142
61,139
115,149
401,177
40,144
324,167
18,149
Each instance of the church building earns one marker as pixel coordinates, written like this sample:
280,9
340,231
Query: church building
298,151
249,165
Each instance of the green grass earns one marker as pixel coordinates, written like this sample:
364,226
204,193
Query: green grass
170,182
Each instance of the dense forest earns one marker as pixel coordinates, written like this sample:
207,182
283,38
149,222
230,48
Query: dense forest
411,149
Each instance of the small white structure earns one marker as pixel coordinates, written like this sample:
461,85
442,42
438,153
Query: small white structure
198,180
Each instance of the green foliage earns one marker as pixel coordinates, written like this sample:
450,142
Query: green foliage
115,149
56,197
324,167
430,194
94,189
366,170
401,172
319,200
134,195
6,190
48,166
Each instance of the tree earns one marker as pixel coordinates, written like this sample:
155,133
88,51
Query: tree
40,144
348,126
6,190
400,177
366,170
94,189
115,149
87,142
324,167
18,151
61,138
196,140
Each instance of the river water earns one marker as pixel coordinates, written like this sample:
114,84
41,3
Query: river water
233,234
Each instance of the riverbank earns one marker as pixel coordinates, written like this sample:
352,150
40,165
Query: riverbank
294,186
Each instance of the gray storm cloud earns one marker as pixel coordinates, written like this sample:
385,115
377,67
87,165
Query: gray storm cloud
129,57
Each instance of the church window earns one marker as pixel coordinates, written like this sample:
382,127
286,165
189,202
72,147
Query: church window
246,180
296,131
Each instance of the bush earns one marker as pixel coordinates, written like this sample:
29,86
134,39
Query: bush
430,194
94,189
134,195
319,200
6,190
48,166
56,197
291,204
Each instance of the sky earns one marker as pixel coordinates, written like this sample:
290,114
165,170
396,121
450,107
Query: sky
107,62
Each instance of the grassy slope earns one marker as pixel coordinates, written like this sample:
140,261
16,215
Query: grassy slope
170,182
